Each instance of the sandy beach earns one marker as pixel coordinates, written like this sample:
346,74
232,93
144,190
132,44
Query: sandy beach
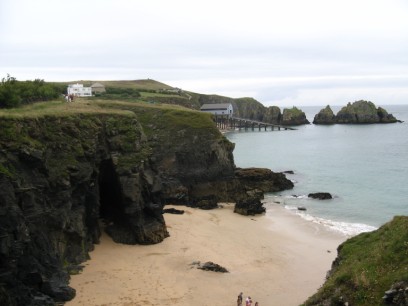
277,259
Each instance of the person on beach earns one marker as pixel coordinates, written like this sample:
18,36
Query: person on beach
239,300
248,301
256,304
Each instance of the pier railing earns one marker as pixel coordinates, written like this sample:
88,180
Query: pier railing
235,123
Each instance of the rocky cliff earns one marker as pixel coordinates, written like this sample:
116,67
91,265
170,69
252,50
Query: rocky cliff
65,177
355,113
273,115
293,116
325,116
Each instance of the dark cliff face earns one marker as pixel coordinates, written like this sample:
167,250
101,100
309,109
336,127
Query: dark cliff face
195,161
58,176
273,115
61,175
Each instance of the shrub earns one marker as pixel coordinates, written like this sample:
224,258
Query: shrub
14,93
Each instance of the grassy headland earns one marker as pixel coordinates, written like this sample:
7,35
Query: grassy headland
367,265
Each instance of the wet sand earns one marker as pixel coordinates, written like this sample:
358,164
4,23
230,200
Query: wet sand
277,259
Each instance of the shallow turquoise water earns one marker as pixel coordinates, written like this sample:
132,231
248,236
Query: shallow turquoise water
364,166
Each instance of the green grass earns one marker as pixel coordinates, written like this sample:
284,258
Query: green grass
368,265
146,84
59,108
294,111
145,94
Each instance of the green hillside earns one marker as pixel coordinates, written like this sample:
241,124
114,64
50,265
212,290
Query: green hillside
368,265
145,84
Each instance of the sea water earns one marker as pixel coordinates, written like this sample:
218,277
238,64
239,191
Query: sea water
365,168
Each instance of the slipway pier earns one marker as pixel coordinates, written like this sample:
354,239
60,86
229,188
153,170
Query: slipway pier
235,123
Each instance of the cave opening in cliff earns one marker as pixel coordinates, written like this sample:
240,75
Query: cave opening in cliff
111,206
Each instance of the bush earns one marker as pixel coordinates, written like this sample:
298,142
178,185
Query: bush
14,93
9,94
123,92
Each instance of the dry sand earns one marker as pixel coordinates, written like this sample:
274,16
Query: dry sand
277,259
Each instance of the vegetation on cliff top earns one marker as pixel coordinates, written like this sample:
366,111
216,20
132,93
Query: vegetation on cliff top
14,93
367,265
157,119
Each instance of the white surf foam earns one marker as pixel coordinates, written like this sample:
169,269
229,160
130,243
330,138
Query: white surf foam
347,228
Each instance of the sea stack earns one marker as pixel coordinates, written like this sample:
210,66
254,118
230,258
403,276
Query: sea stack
294,116
325,116
359,112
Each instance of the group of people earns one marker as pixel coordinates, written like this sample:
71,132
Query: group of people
69,98
248,301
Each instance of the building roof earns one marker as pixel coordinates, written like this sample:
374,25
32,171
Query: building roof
215,106
97,85
77,85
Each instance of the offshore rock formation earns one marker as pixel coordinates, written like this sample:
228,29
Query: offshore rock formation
356,113
320,195
293,116
325,116
272,115
363,112
61,174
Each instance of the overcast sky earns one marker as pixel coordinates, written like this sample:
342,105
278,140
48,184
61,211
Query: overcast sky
281,52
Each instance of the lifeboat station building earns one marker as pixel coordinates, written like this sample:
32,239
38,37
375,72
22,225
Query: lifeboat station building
223,109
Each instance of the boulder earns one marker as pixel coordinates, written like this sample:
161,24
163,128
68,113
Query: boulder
249,207
206,202
173,211
210,266
320,195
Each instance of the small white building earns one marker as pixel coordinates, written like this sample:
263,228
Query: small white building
98,87
79,90
218,109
